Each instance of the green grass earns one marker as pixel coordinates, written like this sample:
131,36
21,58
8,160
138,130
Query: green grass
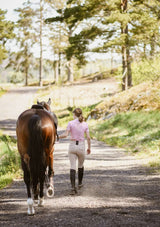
2,91
137,132
9,160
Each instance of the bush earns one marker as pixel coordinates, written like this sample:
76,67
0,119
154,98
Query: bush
16,77
145,70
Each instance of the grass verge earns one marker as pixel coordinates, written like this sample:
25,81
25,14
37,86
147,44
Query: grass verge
9,160
137,132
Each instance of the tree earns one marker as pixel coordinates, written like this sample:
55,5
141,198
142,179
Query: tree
25,38
63,44
123,25
41,50
6,33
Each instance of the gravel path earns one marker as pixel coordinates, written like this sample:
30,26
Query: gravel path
12,104
118,191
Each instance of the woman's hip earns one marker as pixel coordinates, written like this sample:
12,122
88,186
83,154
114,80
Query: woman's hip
76,146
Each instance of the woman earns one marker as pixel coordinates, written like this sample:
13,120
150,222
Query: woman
77,129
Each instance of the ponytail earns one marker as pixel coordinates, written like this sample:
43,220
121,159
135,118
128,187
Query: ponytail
80,118
78,113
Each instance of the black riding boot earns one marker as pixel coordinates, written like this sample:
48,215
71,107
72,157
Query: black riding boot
80,177
72,178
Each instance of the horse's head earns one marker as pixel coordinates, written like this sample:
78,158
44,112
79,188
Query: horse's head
46,105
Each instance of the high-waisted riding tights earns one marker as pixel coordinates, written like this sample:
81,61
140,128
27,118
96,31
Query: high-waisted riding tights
76,151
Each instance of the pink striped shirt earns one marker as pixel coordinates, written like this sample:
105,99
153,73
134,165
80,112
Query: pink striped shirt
77,129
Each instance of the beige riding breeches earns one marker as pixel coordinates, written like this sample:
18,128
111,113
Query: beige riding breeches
76,151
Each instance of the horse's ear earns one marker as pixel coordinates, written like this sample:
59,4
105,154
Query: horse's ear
38,102
49,101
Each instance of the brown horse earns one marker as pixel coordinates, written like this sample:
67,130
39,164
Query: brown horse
36,134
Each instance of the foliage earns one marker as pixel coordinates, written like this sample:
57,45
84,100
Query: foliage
9,159
6,33
145,70
16,77
121,25
22,60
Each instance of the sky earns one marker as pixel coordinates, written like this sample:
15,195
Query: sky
10,5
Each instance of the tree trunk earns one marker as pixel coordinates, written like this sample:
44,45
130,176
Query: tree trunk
56,72
129,70
70,71
152,45
124,69
144,50
59,64
41,57
126,59
26,76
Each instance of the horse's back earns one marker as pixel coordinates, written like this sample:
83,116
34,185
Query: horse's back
24,118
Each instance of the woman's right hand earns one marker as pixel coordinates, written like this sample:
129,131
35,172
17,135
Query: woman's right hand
88,151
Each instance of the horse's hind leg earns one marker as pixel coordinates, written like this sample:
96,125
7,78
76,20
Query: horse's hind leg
50,190
31,210
50,172
41,179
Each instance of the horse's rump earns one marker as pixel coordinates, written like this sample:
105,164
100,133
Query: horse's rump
36,132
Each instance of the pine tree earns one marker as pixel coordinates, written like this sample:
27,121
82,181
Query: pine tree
67,28
26,38
124,25
6,33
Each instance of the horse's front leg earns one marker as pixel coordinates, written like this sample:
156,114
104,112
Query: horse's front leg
35,190
26,172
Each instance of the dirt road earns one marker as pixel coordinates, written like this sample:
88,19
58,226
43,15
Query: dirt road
12,104
118,191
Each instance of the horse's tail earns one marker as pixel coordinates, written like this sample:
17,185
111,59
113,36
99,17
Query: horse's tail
36,148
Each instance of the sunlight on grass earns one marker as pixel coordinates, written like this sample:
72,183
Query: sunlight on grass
137,132
9,160
5,180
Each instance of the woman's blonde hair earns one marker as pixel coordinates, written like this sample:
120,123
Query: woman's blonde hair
78,113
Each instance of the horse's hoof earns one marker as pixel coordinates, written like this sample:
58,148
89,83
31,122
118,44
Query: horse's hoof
50,191
31,210
41,202
35,201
